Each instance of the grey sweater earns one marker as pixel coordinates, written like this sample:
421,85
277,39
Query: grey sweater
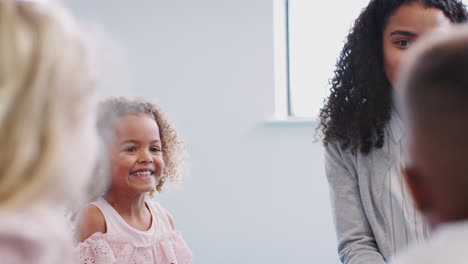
373,212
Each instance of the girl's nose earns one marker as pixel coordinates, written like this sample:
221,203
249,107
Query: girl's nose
144,157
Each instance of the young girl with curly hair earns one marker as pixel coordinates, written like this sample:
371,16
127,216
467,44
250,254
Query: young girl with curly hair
363,135
125,225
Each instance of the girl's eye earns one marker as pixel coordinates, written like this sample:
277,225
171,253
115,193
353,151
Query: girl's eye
132,149
403,43
154,149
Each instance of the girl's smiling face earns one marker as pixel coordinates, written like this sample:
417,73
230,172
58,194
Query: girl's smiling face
403,28
136,155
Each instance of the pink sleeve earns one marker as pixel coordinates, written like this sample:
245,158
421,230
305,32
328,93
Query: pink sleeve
96,250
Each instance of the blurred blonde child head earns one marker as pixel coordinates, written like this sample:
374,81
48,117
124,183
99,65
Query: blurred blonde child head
113,109
46,88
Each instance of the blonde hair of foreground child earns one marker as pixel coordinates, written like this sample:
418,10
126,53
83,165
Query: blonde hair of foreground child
46,88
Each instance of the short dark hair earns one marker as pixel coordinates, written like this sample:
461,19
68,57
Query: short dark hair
434,91
435,85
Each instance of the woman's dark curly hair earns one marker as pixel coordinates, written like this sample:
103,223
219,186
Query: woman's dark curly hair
360,101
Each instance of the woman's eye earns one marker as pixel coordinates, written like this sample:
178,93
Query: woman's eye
403,43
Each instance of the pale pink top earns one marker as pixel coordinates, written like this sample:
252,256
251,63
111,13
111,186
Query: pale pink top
35,236
122,243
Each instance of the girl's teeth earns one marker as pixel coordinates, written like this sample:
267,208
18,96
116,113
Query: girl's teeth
146,173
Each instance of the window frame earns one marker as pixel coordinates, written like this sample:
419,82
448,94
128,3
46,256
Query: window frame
282,83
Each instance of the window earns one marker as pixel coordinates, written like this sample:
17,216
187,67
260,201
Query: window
309,36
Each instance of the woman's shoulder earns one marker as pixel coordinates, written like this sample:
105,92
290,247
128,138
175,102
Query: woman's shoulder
90,221
336,153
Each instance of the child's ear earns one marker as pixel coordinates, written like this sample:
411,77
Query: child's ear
418,189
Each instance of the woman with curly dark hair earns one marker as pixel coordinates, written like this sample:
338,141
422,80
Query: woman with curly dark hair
363,135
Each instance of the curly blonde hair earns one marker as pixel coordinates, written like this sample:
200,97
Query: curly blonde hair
173,148
46,83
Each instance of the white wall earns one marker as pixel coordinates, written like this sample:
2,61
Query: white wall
256,192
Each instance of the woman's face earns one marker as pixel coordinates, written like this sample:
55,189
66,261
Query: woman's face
403,28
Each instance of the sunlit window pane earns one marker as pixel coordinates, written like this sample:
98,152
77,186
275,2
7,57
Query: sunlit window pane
317,30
